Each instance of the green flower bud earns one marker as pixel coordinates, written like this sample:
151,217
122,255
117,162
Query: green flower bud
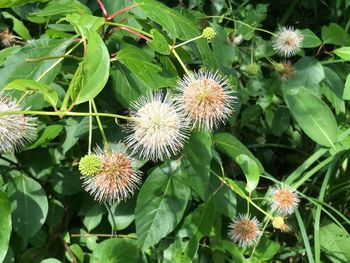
253,69
279,67
208,33
90,165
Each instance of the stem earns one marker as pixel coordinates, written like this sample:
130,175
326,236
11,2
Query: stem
186,42
101,128
120,11
135,33
90,128
104,11
64,113
333,61
242,23
131,27
180,61
53,57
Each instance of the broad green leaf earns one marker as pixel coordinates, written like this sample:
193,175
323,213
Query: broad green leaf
250,169
50,95
126,86
177,25
5,225
4,53
310,39
29,204
17,66
313,115
85,22
236,188
93,217
18,26
160,204
231,146
55,213
346,94
335,243
13,3
309,73
281,121
77,251
159,42
62,7
116,250
143,66
195,226
48,134
332,88
266,249
95,69
335,34
122,214
343,52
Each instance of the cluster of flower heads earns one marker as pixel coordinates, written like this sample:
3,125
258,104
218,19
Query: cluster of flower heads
287,42
16,130
246,231
159,127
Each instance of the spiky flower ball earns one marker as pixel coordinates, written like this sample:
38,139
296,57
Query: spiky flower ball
90,165
206,98
288,41
7,38
158,128
253,69
16,130
244,230
288,72
208,33
284,200
116,179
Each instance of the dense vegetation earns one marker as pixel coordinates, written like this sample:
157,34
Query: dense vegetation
174,131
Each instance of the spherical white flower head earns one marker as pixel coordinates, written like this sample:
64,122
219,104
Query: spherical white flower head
284,200
116,180
244,230
206,98
158,127
15,130
288,41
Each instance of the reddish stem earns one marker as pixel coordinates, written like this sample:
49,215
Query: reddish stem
104,11
135,33
115,28
109,18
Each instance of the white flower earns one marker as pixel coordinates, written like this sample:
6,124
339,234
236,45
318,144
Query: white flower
206,98
245,231
284,200
288,41
116,179
16,130
158,128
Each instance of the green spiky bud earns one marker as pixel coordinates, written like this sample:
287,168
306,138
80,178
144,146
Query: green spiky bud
279,67
90,165
208,33
253,69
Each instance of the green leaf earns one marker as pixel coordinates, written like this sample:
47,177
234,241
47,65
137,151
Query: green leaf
177,25
62,7
123,214
50,95
159,42
95,68
4,53
93,217
281,121
343,52
313,115
115,250
346,94
84,22
16,66
310,39
13,3
195,226
144,68
160,204
335,243
5,225
309,73
49,133
30,205
18,26
250,169
335,34
231,146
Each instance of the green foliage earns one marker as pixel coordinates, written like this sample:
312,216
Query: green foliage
79,66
